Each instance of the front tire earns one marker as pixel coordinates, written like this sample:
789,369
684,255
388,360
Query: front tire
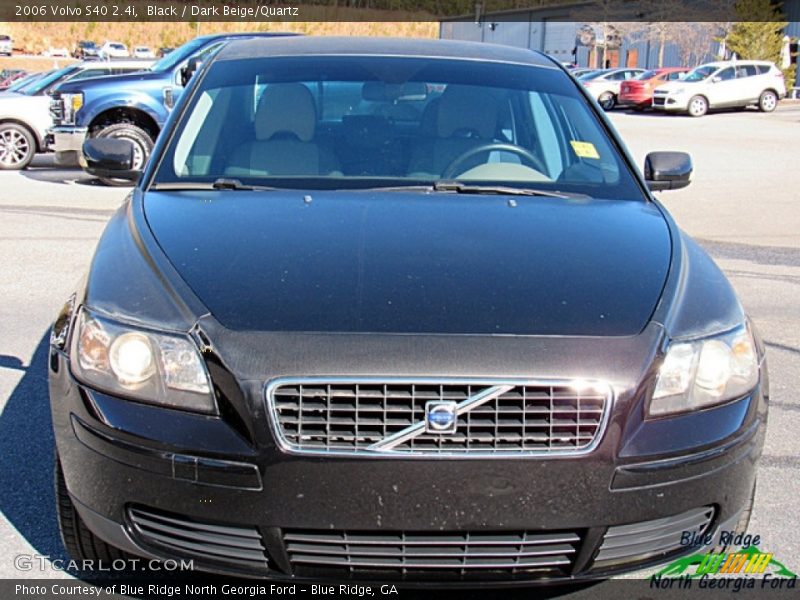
767,101
698,106
607,100
17,147
142,146
80,543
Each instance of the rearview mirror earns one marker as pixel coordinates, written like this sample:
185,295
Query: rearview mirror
192,66
110,158
667,170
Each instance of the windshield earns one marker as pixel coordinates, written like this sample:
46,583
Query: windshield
24,82
48,80
646,75
700,73
168,62
355,122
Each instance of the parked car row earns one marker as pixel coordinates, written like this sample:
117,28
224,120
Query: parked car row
131,100
723,84
25,110
124,99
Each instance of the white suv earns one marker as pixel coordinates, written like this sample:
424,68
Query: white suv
728,84
113,50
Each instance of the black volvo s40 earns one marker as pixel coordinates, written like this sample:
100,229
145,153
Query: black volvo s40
399,310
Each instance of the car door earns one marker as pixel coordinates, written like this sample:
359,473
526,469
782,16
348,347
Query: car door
750,81
722,88
615,80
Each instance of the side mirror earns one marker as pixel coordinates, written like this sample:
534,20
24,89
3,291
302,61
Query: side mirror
192,66
716,79
667,170
109,158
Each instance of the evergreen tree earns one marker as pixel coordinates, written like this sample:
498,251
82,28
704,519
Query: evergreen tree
759,34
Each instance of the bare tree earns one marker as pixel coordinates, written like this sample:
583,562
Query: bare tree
679,23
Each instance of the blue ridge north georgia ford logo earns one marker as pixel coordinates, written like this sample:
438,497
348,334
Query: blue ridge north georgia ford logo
440,417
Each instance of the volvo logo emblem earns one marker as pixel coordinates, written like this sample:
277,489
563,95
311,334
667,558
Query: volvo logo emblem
440,417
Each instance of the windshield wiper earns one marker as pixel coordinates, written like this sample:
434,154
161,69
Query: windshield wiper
463,188
223,183
503,190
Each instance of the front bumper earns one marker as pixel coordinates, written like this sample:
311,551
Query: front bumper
67,143
671,103
122,459
635,99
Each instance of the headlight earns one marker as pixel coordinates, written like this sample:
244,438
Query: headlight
701,373
152,367
72,104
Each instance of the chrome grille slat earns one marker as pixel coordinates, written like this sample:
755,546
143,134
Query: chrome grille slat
235,547
457,552
386,416
641,541
433,551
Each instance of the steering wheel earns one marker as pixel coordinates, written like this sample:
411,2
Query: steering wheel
524,154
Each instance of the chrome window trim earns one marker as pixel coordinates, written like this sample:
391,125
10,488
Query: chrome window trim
289,448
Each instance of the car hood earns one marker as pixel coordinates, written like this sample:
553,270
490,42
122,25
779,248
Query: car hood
671,86
399,262
26,104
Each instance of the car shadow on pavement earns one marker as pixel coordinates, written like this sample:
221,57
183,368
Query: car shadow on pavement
61,176
26,445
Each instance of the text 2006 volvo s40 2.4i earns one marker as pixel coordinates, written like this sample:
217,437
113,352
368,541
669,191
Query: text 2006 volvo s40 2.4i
404,311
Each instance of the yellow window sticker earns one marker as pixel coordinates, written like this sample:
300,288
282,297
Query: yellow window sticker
584,149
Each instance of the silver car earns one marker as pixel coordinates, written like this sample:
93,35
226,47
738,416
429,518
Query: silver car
604,84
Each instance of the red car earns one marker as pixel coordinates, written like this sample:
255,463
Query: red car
638,93
7,77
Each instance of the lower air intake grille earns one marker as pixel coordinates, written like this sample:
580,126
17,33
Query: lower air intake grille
441,555
650,539
222,546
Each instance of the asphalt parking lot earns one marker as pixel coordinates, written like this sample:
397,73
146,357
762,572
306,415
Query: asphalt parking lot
743,207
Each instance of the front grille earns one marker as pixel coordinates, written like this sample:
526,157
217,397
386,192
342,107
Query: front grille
650,539
438,554
389,416
658,101
228,547
56,108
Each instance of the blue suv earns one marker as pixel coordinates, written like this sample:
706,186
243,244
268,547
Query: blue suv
131,107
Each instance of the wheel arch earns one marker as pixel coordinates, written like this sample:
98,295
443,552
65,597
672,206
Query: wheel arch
38,140
700,95
125,114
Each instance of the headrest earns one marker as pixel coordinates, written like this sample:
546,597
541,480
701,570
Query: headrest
430,114
286,108
467,108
